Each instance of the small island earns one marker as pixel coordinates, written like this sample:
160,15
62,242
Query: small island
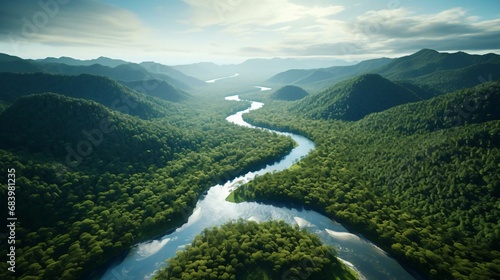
251,250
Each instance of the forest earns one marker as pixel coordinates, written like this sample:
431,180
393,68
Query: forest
251,250
430,191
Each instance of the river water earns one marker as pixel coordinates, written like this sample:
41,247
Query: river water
144,259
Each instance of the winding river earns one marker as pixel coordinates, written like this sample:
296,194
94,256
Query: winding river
144,259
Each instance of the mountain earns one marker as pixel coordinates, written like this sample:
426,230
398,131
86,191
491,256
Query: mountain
203,70
158,88
428,61
473,105
434,73
353,99
119,70
257,69
16,64
104,61
158,68
289,93
124,72
97,88
320,78
444,72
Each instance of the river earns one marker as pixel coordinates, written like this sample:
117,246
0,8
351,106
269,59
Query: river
144,259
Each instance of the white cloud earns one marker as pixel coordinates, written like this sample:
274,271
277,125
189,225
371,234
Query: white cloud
253,13
387,31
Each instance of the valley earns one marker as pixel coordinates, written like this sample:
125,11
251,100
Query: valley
110,157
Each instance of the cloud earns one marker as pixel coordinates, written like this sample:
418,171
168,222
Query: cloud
69,23
393,31
256,13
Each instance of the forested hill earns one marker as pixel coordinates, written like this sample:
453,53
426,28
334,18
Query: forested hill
320,78
467,106
253,251
443,72
419,179
353,99
100,89
83,133
428,61
158,88
289,93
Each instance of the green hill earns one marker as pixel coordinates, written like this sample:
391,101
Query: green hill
158,88
248,250
78,131
99,89
444,72
354,99
289,93
428,61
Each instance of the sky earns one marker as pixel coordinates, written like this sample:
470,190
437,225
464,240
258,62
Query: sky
230,31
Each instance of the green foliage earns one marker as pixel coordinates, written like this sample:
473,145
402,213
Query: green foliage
419,179
248,250
289,93
353,99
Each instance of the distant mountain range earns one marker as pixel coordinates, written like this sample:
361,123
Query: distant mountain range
104,61
323,77
425,69
115,69
257,69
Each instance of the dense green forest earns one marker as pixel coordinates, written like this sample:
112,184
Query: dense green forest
249,250
419,179
91,181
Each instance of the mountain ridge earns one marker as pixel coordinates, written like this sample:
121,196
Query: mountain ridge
353,99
